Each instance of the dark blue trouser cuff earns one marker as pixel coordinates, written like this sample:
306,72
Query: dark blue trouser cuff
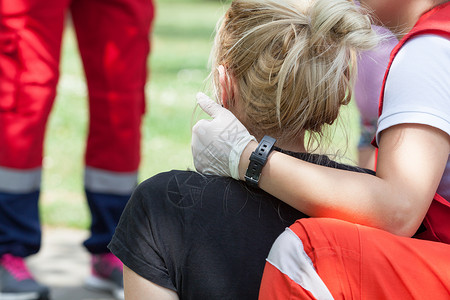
106,210
20,230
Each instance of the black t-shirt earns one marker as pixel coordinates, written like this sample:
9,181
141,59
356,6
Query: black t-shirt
205,237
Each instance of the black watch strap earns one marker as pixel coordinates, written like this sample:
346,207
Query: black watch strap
258,159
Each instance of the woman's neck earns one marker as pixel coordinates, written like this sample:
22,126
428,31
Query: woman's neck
293,145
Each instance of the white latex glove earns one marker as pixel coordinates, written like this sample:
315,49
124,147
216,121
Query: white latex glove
217,144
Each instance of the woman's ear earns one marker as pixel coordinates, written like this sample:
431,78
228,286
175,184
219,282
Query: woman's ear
226,88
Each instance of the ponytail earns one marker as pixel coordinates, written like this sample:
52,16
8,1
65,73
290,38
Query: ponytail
293,60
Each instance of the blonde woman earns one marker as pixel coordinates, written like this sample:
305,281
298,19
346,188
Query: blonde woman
284,69
321,258
413,140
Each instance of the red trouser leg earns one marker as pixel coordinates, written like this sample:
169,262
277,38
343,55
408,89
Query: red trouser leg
30,39
277,285
359,262
289,272
113,37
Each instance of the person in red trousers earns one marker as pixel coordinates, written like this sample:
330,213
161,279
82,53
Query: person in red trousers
113,39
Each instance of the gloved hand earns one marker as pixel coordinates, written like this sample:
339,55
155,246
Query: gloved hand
217,144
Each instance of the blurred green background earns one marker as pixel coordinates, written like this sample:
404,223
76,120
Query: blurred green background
181,41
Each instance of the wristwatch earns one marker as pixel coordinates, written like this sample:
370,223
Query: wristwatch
258,159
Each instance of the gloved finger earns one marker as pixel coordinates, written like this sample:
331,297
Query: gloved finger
208,105
200,127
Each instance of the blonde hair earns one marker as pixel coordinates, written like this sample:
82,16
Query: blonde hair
292,61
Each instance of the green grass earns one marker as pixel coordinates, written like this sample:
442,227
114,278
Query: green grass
181,41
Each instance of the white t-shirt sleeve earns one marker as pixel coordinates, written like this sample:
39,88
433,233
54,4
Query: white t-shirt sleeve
418,85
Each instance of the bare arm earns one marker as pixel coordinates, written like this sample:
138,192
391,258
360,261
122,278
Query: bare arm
138,288
411,162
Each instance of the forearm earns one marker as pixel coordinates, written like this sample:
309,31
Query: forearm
395,200
323,192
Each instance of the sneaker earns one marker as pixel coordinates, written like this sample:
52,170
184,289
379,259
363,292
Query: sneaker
16,282
107,275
